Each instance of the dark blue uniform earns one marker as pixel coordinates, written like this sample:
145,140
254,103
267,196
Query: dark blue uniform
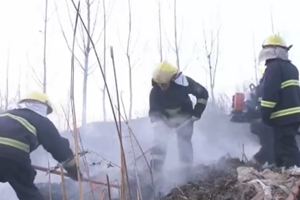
280,108
176,104
21,132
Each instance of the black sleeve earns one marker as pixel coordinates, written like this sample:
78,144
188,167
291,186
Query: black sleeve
200,93
270,89
51,140
156,112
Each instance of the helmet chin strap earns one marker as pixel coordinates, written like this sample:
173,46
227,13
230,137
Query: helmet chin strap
36,107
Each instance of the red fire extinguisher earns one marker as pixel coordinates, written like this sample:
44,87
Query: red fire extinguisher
238,102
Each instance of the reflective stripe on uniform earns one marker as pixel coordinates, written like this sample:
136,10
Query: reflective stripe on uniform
202,101
289,83
284,112
21,120
15,143
267,104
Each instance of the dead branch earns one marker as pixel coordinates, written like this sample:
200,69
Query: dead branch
104,59
73,105
255,60
129,60
45,48
102,73
134,156
124,172
160,36
7,81
212,54
175,35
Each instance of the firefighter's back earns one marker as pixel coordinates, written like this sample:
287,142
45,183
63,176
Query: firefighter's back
18,137
287,109
18,134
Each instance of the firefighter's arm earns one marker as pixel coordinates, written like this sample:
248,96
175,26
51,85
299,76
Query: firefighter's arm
201,95
156,112
270,89
58,147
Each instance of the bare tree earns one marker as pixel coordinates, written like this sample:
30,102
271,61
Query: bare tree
7,81
255,60
45,47
85,45
43,82
159,28
18,96
211,46
176,49
104,60
86,67
129,60
272,21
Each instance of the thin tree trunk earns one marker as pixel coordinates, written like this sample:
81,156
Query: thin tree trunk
7,81
45,47
104,60
175,35
160,36
255,61
129,61
19,84
86,65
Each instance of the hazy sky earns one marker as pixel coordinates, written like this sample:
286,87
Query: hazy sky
244,25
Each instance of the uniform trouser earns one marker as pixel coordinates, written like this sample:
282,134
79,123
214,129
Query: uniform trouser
184,144
285,146
21,178
266,138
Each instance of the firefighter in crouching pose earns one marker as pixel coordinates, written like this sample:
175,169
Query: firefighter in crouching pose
171,107
280,104
22,130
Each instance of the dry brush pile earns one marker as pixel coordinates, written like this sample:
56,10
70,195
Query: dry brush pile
228,179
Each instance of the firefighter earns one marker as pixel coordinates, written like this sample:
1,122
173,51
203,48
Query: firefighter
22,130
280,104
171,107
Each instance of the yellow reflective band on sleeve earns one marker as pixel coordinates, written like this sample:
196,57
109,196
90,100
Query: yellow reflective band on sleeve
289,111
268,104
202,101
289,83
15,144
21,120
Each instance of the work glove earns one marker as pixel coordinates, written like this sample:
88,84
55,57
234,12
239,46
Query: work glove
72,170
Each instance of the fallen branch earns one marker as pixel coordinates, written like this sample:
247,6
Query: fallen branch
44,169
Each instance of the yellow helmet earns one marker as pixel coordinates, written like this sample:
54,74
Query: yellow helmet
275,40
164,73
40,97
